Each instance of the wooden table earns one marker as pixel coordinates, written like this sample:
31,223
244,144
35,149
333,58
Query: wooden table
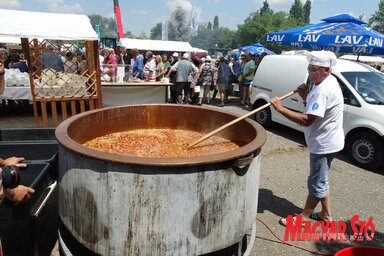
126,93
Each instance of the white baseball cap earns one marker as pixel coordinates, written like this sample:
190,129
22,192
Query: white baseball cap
186,56
175,54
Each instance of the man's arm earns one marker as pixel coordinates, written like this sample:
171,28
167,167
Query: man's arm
16,161
20,194
302,119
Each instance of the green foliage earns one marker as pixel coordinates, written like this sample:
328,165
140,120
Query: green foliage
177,26
208,38
156,31
376,21
108,26
307,12
266,8
216,22
257,25
296,11
209,26
143,35
129,34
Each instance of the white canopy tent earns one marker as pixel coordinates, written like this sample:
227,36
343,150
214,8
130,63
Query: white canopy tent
17,24
156,45
198,50
10,39
37,30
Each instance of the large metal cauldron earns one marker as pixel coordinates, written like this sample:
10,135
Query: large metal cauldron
120,205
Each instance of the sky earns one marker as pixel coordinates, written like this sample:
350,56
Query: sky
142,15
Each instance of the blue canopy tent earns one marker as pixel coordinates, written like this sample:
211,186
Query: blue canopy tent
255,49
340,33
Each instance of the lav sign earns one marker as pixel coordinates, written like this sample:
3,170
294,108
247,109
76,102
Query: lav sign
275,38
355,40
308,38
376,42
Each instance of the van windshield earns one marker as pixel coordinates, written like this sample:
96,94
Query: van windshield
370,85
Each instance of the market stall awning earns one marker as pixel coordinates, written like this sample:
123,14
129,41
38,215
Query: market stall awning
10,39
198,50
156,45
54,26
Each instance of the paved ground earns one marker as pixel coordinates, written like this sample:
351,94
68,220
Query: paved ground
284,168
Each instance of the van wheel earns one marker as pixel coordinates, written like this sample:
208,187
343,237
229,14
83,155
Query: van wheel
366,150
263,117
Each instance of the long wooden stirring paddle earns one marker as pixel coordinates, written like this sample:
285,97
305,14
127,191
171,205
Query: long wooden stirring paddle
236,120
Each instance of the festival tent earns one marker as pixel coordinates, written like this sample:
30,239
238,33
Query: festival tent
45,25
40,33
156,45
10,39
255,49
198,50
340,33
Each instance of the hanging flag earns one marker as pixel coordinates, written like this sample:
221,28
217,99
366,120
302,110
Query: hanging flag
195,16
164,31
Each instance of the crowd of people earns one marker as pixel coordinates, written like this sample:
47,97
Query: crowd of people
194,80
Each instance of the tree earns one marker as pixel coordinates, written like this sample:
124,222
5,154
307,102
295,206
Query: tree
177,26
108,27
307,12
296,11
143,35
258,24
209,26
265,8
376,21
207,39
129,34
156,31
216,22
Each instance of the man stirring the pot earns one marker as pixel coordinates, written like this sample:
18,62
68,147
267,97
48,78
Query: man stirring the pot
323,121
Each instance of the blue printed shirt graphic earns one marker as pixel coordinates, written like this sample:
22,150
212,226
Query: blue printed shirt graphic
316,103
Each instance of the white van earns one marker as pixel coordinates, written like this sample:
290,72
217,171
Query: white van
363,90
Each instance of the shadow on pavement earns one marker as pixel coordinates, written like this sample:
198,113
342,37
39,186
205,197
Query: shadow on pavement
277,205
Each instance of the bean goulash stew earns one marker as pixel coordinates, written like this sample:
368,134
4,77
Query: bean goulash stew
159,143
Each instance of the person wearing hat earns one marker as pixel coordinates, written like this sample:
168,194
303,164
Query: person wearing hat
184,69
205,77
324,135
172,77
247,77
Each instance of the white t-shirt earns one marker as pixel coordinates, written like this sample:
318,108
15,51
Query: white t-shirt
325,135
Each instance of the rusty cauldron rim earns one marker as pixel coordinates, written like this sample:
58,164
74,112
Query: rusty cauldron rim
243,151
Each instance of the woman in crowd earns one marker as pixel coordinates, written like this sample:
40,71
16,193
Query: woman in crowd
205,82
160,71
224,74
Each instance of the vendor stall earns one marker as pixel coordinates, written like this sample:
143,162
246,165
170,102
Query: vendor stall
63,61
